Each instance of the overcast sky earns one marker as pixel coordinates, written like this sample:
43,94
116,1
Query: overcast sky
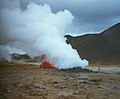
39,27
90,15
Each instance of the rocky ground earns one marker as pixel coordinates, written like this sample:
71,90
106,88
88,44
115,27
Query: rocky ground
20,81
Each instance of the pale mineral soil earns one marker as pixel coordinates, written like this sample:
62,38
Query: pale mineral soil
113,69
21,81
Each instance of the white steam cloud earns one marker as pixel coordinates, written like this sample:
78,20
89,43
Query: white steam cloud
6,50
42,31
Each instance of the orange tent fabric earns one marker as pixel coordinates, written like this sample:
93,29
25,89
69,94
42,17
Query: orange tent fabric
46,64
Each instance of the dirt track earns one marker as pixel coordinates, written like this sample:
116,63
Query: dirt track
19,81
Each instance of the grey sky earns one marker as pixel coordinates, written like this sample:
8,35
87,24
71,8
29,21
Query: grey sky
90,15
32,30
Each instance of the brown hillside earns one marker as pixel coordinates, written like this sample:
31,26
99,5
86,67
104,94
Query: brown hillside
103,48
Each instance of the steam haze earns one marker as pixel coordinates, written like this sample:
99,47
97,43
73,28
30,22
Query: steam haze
37,30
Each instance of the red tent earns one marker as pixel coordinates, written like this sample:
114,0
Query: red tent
46,64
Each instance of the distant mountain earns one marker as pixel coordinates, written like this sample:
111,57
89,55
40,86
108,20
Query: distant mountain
37,59
20,57
103,48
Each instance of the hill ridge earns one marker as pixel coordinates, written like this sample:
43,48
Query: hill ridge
103,48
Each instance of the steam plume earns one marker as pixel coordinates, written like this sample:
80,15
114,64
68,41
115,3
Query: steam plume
42,31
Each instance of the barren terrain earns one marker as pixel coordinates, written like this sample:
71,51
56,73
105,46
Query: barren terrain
25,81
103,48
